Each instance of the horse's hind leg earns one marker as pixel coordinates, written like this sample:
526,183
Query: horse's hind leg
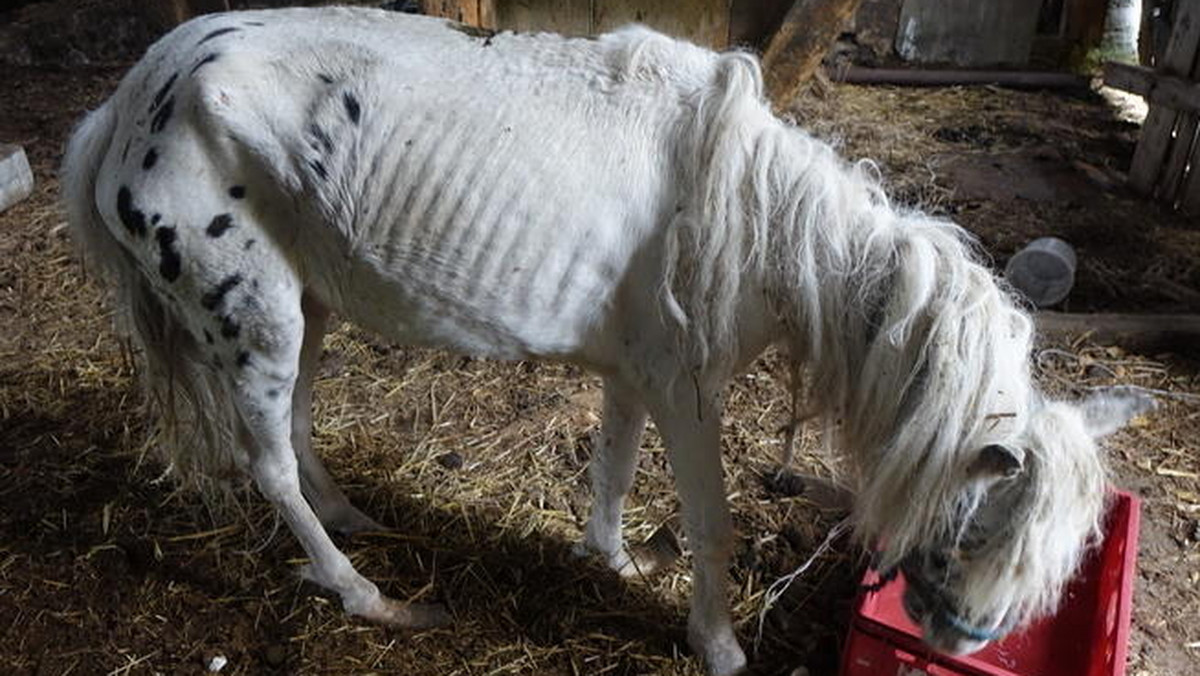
612,472
332,506
267,370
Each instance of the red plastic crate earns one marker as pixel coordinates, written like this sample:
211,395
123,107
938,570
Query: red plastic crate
1087,637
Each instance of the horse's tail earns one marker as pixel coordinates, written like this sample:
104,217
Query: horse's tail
196,421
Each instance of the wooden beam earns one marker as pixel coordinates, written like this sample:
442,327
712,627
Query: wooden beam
808,31
1142,332
947,78
1163,90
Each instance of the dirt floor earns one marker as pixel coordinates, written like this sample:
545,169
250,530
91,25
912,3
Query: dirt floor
480,467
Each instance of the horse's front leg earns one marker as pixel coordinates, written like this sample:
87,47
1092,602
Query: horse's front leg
690,425
612,470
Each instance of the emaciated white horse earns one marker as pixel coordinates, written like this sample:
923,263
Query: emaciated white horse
627,203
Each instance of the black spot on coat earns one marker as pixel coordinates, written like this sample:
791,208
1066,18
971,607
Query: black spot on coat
219,225
162,92
208,338
169,264
324,142
352,107
229,328
253,23
237,192
325,78
150,158
202,62
133,219
243,359
162,116
319,168
217,33
249,243
213,299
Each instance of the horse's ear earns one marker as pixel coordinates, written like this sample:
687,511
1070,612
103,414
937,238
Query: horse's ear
996,462
1107,410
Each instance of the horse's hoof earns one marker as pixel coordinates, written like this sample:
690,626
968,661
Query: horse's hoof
658,553
383,610
721,654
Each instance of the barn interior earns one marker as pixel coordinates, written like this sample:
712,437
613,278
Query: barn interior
1017,119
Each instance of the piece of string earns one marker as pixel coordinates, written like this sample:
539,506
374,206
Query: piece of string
780,586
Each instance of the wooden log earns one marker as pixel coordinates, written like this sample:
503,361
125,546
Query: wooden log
808,31
1155,142
1139,332
1163,90
944,78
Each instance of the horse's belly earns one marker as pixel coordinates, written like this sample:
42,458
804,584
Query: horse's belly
552,308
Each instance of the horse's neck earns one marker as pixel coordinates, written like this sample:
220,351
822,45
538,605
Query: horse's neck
830,245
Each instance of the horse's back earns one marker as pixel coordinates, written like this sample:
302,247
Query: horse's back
443,186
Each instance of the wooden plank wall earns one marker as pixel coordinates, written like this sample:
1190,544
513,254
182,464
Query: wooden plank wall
968,33
569,17
703,21
1169,141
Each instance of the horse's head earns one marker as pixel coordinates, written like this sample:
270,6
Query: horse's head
1028,506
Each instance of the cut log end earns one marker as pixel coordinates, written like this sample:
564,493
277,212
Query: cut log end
16,178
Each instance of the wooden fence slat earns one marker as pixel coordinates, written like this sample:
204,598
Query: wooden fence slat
1189,193
1155,140
1169,182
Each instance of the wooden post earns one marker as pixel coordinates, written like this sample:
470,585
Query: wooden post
808,31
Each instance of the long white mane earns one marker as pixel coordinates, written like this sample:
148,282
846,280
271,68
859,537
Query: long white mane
912,349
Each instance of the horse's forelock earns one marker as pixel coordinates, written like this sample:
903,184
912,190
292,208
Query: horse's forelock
946,374
1059,517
